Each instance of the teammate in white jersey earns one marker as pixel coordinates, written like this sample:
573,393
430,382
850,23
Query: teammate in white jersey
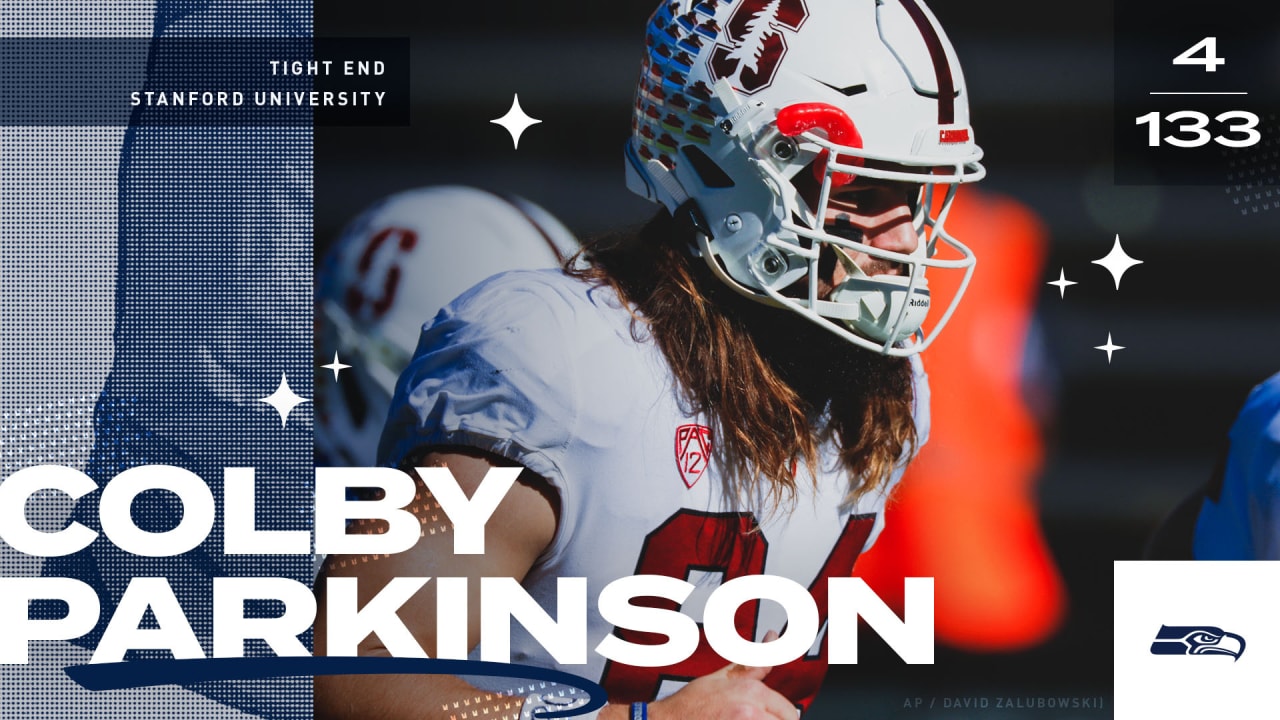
397,263
730,391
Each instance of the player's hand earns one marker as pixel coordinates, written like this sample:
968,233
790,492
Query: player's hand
734,692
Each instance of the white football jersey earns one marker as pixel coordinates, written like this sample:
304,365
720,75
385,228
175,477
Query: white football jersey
1240,519
542,368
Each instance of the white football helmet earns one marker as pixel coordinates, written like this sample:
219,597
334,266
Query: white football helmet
389,273
738,97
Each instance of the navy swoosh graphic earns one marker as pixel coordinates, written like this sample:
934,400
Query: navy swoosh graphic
144,673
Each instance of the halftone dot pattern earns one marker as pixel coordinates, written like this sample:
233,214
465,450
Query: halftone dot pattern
41,691
509,701
57,284
64,18
1254,175
156,282
57,277
59,433
177,79
59,81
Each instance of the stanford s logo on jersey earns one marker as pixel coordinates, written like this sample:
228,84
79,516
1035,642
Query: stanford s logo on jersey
756,32
693,452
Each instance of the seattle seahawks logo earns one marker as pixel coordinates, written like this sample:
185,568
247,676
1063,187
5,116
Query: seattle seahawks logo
1196,640
756,42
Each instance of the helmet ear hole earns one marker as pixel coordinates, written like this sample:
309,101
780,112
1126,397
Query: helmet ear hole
784,150
708,171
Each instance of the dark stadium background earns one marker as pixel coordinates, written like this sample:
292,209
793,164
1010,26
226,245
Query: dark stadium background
1125,441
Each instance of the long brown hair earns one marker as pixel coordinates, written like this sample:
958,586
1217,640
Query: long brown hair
773,384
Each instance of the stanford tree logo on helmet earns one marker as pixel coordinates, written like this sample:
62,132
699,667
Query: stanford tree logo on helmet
757,42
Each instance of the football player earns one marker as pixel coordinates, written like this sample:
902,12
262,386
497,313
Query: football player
734,389
394,266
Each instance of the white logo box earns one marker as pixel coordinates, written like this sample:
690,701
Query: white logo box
1237,597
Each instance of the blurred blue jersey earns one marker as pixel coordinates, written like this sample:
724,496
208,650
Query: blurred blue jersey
1241,520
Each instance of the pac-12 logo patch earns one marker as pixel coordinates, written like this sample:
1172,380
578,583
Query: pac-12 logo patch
757,42
693,452
1196,640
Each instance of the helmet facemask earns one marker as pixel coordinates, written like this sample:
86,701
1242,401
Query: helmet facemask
884,312
761,178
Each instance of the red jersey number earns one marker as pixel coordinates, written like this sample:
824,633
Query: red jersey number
723,543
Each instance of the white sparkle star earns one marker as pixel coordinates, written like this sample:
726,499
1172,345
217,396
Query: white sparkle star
515,121
1061,283
1110,347
1117,261
336,366
284,400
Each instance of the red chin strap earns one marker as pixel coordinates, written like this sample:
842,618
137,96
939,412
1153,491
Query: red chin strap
795,119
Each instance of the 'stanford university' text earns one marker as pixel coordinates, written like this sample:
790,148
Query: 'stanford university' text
262,98
563,634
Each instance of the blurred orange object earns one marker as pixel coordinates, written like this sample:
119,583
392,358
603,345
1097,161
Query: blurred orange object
965,514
